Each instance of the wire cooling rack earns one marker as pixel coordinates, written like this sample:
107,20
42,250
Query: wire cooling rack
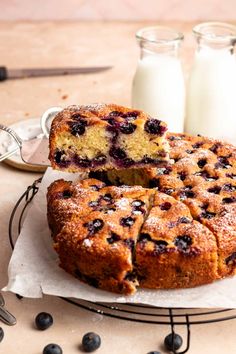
172,317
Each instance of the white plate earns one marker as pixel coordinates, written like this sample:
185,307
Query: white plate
26,129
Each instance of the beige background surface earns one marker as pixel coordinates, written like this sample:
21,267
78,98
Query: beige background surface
118,9
44,44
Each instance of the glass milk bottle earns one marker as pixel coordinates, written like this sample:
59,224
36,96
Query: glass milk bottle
211,95
158,85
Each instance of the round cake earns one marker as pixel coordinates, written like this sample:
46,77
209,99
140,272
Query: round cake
166,227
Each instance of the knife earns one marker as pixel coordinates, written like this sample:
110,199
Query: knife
6,73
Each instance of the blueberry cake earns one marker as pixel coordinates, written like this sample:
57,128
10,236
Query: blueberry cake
106,136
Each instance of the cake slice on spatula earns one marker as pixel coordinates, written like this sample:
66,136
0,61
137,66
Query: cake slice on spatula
106,136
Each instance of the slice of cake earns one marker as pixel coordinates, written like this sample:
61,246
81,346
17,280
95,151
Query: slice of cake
95,229
106,136
173,250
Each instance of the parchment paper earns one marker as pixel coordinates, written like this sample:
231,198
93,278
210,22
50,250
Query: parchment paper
34,271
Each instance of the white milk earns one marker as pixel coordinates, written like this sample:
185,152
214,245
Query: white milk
211,95
159,90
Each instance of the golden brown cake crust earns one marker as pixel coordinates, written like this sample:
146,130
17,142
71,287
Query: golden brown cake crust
105,136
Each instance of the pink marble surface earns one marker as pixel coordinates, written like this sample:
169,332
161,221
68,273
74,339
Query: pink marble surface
118,10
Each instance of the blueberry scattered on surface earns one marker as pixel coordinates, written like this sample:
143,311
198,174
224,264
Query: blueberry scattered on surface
154,352
90,342
52,349
173,341
1,334
43,320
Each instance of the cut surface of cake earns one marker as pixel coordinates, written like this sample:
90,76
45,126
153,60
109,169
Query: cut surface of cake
106,136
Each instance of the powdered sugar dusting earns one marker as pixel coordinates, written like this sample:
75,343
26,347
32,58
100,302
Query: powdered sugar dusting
87,242
153,222
122,204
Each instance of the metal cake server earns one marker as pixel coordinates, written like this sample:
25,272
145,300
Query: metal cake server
6,316
33,151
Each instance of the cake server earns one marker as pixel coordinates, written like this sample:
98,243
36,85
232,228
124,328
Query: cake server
6,73
33,151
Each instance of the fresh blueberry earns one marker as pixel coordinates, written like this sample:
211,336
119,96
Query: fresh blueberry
127,127
52,349
153,126
78,127
90,342
173,341
43,320
154,352
94,226
127,222
1,334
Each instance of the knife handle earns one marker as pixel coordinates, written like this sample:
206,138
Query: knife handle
3,73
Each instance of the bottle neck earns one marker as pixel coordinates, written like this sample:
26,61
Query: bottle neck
150,50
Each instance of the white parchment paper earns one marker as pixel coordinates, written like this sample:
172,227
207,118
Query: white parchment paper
34,271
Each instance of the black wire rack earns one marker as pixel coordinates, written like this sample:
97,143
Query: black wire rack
172,317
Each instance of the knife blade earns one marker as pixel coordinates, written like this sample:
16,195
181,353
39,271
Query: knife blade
6,73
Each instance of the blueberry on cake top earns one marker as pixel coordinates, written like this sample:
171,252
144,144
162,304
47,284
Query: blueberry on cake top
106,136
